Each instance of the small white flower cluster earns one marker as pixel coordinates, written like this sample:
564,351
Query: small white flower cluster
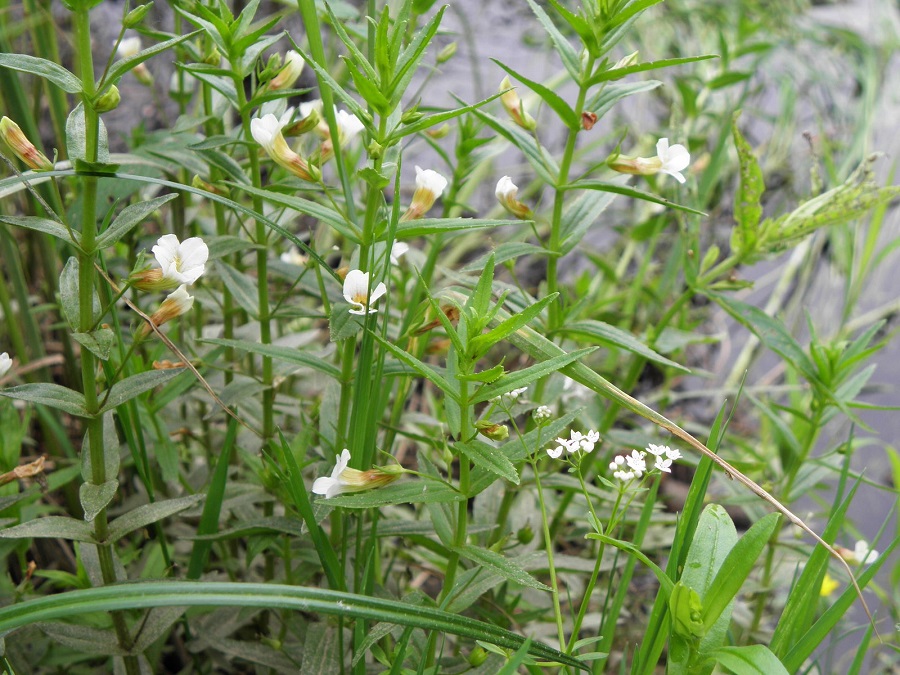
629,467
510,396
577,442
542,414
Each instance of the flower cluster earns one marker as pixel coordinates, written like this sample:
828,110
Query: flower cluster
542,414
510,396
629,467
577,442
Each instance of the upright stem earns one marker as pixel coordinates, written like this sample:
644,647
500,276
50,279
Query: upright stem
86,282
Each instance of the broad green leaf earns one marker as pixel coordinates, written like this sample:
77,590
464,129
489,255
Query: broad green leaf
147,514
629,191
427,226
505,567
407,492
76,138
287,354
489,458
99,342
53,395
53,72
110,452
45,225
619,73
70,301
129,217
550,97
133,386
520,378
51,527
747,206
342,325
749,660
736,567
94,498
141,595
617,337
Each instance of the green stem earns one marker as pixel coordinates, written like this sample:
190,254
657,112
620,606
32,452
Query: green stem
548,542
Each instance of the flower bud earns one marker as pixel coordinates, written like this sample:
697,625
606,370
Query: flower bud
525,535
109,100
478,656
506,194
429,186
213,57
375,150
446,53
411,116
514,106
5,363
440,132
626,61
22,147
288,75
136,16
496,432
175,305
588,120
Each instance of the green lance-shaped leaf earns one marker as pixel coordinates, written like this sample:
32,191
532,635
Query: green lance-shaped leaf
99,342
51,527
143,595
128,219
490,458
94,498
44,225
603,101
409,492
122,66
749,660
618,73
563,47
149,514
428,226
505,567
422,369
480,344
550,97
49,394
629,191
50,71
242,288
747,206
291,355
136,385
616,337
521,378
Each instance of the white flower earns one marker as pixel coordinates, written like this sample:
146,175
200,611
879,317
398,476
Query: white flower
672,160
398,250
308,107
636,462
333,486
673,454
429,186
587,442
349,125
127,47
516,393
663,464
556,452
181,262
356,292
5,364
293,257
506,192
514,107
175,304
624,476
863,553
542,413
293,66
344,479
266,131
656,450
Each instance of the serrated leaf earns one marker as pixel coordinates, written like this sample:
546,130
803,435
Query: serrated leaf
133,386
94,498
53,395
489,458
99,342
148,514
129,217
747,200
50,71
505,567
51,527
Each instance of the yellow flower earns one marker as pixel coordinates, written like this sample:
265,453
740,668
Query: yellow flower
829,585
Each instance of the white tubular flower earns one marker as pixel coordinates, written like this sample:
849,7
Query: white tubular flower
128,48
293,66
506,192
294,257
669,160
356,292
5,363
344,479
181,262
176,304
514,107
349,126
398,250
23,148
429,186
307,108
863,554
266,131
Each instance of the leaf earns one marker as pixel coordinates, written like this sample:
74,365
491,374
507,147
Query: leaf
428,226
140,595
122,66
53,72
551,98
45,225
422,369
490,458
480,344
53,395
520,378
148,514
292,355
563,47
747,206
134,386
432,120
342,325
84,639
76,139
69,298
611,94
629,191
618,73
51,527
99,342
243,289
749,660
407,492
542,162
500,564
94,498
129,217
580,216
737,567
617,337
